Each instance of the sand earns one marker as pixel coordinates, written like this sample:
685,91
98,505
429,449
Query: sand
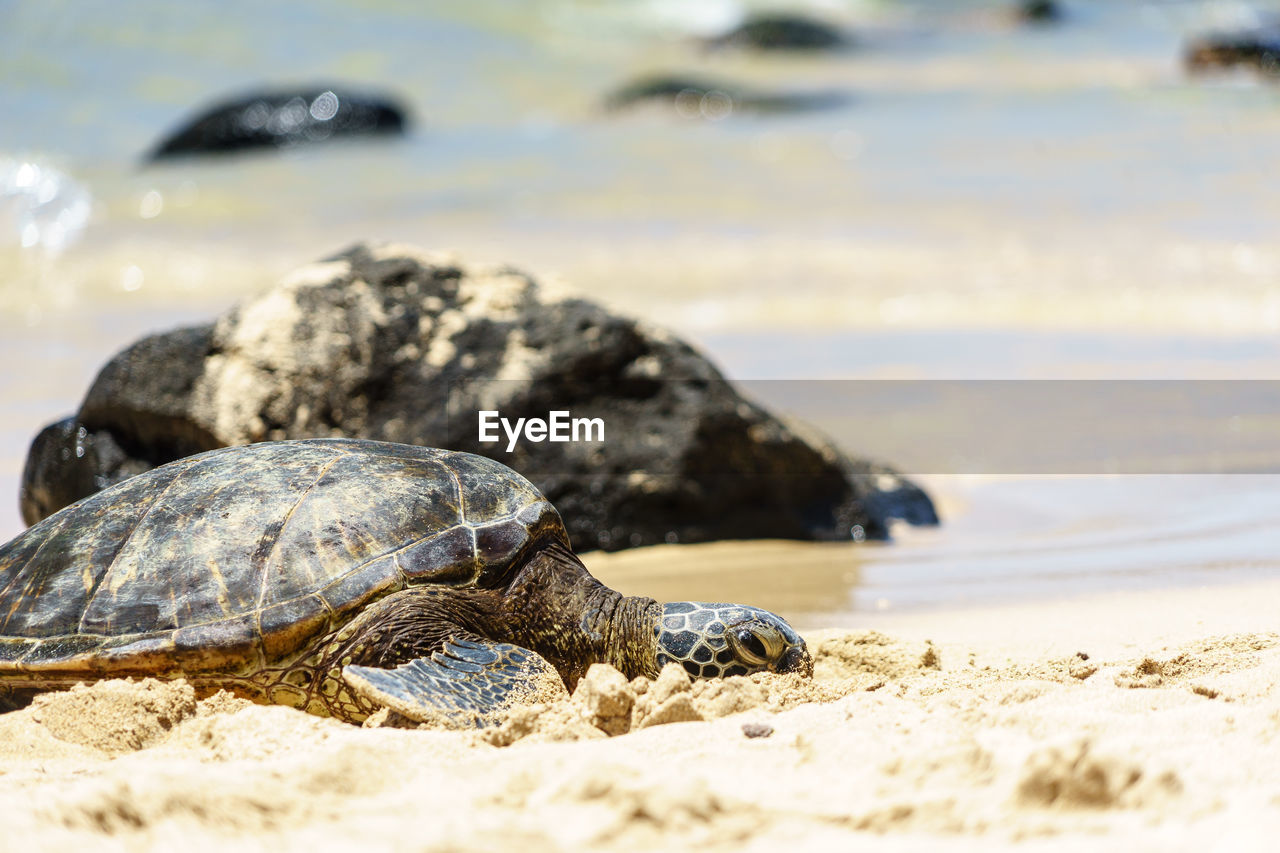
1135,721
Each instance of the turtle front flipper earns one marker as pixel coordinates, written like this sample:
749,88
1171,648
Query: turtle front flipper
468,684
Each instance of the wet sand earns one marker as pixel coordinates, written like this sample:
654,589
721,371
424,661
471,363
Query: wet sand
1145,721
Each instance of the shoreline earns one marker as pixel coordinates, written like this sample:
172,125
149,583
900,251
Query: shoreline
1109,624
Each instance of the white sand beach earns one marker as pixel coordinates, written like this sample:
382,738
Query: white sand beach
1134,721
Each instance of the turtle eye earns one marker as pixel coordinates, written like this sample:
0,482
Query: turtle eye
756,644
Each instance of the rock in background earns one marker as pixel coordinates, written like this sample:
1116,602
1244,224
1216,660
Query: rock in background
283,119
394,344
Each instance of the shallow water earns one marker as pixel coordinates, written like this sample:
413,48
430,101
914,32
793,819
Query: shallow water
1004,540
977,175
990,202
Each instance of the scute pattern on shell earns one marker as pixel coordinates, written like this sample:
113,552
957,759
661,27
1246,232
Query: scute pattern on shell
230,559
692,635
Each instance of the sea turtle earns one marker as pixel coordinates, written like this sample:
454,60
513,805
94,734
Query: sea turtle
339,576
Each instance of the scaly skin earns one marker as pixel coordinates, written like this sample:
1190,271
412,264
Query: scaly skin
552,607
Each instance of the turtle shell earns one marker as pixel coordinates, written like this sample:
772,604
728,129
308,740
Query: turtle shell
233,559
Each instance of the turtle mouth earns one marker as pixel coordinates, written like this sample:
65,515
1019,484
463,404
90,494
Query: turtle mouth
797,660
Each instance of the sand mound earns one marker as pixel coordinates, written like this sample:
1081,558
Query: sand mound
1190,664
605,704
871,657
115,716
1077,776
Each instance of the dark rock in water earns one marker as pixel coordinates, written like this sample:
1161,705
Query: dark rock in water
132,402
781,32
284,119
1257,50
1039,12
394,344
64,464
697,97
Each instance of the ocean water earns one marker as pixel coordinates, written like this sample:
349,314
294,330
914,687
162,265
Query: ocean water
988,201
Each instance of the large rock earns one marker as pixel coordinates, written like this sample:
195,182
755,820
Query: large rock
394,344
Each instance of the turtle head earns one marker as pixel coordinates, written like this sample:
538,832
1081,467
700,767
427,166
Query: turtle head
715,640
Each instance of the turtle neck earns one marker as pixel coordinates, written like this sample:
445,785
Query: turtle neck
556,608
631,642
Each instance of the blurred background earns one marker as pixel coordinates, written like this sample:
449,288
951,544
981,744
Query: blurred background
957,192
